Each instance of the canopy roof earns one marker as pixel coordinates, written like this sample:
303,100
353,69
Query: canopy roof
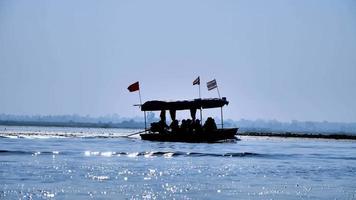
184,105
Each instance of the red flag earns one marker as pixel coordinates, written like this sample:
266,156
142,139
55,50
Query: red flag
134,87
197,81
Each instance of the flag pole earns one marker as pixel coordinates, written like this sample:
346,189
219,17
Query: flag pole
218,91
201,111
139,94
199,92
144,112
221,109
197,82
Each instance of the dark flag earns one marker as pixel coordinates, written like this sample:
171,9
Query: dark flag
197,81
211,84
134,87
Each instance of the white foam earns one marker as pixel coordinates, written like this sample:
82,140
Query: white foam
168,155
132,155
107,154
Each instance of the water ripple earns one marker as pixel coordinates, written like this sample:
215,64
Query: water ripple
169,154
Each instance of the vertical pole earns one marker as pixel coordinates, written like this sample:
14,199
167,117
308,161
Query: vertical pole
139,95
222,118
218,91
199,92
201,116
144,113
201,112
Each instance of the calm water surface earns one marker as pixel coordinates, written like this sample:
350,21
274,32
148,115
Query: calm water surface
82,163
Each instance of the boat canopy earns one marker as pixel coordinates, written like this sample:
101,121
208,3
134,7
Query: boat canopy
184,105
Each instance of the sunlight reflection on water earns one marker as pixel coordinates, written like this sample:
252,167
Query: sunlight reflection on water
121,168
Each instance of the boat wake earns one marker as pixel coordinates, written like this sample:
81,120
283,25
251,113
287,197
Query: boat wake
58,135
8,152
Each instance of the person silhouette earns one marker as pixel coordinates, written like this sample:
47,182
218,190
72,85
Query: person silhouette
174,126
210,124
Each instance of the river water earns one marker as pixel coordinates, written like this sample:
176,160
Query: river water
84,163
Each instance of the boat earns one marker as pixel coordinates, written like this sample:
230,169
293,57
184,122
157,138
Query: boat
159,131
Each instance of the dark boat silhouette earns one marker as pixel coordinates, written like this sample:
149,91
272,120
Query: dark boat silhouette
161,132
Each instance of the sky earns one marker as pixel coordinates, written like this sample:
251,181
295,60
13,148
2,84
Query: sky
277,59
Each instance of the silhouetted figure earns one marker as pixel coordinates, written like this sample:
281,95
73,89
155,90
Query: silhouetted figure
183,126
210,124
160,126
154,127
189,125
163,125
174,126
197,126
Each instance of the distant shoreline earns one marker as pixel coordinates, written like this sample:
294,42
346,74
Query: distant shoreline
300,135
124,124
139,125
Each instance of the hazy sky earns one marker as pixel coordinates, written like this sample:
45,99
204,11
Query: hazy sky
272,59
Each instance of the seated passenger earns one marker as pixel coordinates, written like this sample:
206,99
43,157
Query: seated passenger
189,125
174,126
209,124
197,126
163,125
160,126
183,127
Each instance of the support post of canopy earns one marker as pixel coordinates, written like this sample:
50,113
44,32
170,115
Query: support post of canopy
222,117
201,116
144,113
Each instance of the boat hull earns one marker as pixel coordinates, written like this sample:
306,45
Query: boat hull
203,137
